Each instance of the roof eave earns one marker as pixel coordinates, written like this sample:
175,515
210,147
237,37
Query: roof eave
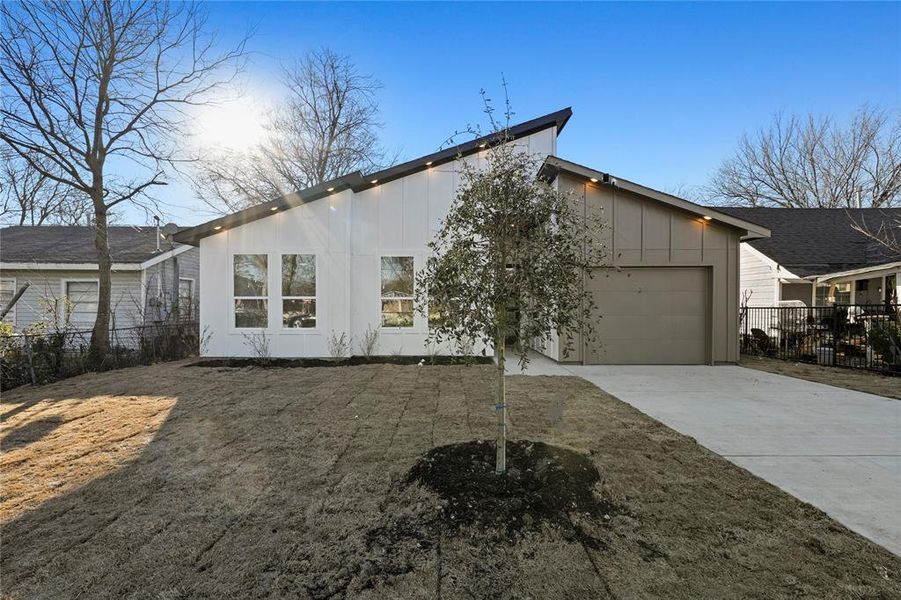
553,166
357,182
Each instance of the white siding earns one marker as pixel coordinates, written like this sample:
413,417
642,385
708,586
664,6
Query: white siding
759,276
348,233
48,288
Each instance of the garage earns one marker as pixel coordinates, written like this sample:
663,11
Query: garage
649,315
666,288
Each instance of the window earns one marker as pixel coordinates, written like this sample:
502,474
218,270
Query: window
251,290
298,291
186,296
842,293
7,291
82,302
397,291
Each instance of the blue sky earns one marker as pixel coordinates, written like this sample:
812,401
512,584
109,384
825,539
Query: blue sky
660,92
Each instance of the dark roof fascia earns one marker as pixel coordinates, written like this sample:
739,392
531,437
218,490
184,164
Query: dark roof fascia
357,182
556,119
553,166
193,235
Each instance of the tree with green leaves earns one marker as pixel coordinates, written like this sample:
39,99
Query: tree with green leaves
509,262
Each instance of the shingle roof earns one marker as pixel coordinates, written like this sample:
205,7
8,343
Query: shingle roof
75,244
814,241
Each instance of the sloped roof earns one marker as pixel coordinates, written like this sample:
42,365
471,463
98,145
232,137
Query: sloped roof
814,241
357,181
554,165
75,244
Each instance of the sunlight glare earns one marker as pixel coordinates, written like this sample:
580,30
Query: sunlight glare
232,125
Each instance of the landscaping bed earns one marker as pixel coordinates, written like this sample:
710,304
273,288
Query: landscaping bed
166,482
852,379
353,361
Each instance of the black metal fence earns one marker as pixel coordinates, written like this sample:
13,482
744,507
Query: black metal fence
862,336
42,357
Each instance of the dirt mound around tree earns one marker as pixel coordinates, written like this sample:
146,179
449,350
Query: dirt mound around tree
543,483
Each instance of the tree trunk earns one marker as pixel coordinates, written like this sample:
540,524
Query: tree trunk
500,407
100,334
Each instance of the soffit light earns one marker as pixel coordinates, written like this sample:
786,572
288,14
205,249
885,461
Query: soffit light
374,181
217,227
482,145
331,189
428,164
274,208
593,180
707,218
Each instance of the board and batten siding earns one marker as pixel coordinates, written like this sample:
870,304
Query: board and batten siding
642,232
349,233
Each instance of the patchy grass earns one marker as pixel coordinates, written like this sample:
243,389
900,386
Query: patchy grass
851,379
172,482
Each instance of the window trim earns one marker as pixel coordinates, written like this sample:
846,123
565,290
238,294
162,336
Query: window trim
282,298
232,297
64,284
389,328
193,292
11,315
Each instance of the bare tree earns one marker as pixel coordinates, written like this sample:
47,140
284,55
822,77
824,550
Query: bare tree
882,227
327,126
95,99
814,162
32,198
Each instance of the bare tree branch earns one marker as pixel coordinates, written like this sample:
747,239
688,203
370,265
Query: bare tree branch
327,126
813,162
97,92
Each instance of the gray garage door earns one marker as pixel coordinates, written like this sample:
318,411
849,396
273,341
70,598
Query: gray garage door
651,316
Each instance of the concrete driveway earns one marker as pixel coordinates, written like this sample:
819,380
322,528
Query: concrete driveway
837,449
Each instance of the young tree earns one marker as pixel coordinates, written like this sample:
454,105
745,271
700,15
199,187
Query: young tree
814,162
327,126
509,260
95,99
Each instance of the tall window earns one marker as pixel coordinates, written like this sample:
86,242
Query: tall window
397,291
251,290
298,291
7,291
186,297
82,302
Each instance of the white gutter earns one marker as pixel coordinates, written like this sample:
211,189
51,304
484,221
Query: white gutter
165,256
49,266
872,270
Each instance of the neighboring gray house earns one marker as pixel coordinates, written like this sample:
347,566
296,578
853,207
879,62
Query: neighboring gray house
149,274
816,256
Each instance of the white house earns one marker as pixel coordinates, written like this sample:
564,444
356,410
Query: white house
815,255
341,257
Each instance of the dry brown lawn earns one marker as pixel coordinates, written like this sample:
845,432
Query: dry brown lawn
851,379
172,482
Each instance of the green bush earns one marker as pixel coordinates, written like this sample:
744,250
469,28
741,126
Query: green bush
885,339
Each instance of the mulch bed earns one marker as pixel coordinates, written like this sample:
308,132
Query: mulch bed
353,361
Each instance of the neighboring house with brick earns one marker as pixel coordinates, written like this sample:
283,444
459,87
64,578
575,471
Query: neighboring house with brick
815,255
151,275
